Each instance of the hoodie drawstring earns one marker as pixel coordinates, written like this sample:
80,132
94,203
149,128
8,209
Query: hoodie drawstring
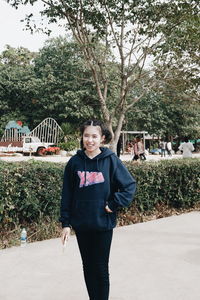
85,168
97,164
85,172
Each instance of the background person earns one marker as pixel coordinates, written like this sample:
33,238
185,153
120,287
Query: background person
169,148
95,185
139,151
163,148
119,146
186,148
135,150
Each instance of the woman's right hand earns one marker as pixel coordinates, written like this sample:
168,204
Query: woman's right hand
108,209
65,234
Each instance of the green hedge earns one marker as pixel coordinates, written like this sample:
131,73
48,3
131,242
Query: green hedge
30,191
173,183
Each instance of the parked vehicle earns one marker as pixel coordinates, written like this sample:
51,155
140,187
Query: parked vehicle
155,151
28,145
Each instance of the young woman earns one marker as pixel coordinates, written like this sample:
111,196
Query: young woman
96,184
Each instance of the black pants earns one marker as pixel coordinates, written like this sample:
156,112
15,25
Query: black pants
142,156
95,250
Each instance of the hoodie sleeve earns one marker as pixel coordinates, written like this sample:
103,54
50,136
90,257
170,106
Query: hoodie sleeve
66,197
126,185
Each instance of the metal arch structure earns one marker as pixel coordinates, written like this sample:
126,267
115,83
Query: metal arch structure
11,135
48,131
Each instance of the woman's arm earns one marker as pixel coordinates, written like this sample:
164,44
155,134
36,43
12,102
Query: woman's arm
66,198
126,187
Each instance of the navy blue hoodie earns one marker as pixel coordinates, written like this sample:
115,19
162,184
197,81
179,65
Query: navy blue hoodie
91,184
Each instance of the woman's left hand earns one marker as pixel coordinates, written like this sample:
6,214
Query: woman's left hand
108,209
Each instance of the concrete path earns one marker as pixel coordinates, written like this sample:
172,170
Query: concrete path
64,159
156,260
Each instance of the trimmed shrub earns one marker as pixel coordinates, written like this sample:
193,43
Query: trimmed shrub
30,193
174,183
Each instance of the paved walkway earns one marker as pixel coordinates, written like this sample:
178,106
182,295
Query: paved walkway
64,159
156,260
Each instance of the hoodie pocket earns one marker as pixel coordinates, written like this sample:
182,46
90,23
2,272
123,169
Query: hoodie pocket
91,214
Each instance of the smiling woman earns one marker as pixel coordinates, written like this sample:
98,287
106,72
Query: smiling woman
96,184
12,30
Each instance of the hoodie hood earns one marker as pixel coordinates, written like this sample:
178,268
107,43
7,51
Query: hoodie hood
105,152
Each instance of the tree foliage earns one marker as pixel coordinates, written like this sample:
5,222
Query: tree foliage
52,82
66,90
165,117
178,56
17,84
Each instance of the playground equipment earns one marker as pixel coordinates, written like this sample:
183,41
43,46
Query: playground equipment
48,131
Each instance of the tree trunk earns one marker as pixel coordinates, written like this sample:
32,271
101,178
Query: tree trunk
113,144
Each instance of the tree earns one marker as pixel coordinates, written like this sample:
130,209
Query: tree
17,85
179,55
66,89
134,29
52,82
163,116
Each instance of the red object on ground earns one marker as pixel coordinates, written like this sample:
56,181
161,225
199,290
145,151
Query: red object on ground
50,149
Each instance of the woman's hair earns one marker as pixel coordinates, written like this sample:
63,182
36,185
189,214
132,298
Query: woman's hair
104,131
186,140
108,135
91,123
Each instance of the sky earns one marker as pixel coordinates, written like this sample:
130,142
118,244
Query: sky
12,30
12,33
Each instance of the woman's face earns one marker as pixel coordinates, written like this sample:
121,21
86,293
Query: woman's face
92,138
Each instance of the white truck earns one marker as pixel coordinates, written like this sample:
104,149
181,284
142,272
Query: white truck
28,145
